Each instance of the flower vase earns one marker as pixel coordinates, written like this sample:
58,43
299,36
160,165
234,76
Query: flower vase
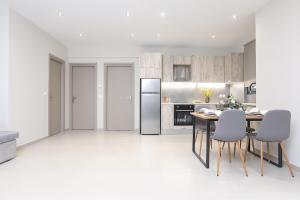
207,99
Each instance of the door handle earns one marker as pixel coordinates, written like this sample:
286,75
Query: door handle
73,99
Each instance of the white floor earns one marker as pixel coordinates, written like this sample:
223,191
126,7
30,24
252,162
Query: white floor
124,165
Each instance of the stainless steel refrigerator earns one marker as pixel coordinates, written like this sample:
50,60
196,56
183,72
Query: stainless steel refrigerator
150,106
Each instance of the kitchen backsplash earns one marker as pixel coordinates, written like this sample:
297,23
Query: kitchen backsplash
188,94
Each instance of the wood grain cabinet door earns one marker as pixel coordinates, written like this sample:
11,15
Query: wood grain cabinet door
234,67
167,68
151,65
219,69
182,60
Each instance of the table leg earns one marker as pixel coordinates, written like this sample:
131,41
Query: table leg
194,135
279,156
207,143
206,161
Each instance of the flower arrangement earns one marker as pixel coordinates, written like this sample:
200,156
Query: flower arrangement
207,93
230,103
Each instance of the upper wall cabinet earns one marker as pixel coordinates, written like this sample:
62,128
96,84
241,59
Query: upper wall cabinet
168,68
234,67
208,69
151,65
197,62
182,60
250,62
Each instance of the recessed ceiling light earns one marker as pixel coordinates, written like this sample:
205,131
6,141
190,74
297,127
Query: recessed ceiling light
127,13
80,34
132,35
60,13
158,35
234,16
162,14
213,36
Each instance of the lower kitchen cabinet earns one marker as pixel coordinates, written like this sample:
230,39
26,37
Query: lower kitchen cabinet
167,116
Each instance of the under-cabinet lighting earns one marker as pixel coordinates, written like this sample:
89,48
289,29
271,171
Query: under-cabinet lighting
191,85
179,85
211,85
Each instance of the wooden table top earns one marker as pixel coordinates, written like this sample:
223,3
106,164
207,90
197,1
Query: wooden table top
215,117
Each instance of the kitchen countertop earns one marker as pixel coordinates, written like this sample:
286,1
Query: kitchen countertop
211,103
172,103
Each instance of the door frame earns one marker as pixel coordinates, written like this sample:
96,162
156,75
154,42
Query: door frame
62,104
105,79
72,65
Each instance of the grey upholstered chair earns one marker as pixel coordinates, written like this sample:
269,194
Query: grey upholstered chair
230,128
275,127
201,127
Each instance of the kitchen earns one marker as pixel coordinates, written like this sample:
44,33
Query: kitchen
192,82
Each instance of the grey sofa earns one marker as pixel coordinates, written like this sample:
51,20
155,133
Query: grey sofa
8,145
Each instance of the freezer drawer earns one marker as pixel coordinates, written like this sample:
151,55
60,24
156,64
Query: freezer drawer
150,85
150,114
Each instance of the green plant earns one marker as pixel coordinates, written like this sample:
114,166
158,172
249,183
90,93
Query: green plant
230,103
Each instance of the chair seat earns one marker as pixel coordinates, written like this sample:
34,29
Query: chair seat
251,134
249,129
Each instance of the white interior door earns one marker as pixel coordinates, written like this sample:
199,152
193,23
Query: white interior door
55,97
84,95
119,98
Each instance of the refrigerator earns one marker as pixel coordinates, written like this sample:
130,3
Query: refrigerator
150,106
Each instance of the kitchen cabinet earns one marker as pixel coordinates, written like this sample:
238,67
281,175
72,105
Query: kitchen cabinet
234,67
212,69
182,60
250,62
167,68
197,62
151,65
167,116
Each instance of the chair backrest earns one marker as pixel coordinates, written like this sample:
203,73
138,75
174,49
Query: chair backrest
231,126
275,126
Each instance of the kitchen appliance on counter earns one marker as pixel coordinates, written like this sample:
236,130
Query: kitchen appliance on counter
150,106
182,114
250,92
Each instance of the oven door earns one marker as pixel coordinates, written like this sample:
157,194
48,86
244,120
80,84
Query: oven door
183,118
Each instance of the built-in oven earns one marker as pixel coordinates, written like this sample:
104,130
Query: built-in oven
182,114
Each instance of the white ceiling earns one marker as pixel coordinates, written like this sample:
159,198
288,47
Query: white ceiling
187,23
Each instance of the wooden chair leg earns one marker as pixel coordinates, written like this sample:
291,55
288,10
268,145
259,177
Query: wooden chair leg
261,158
229,153
287,159
241,157
234,149
253,146
246,150
201,139
268,150
219,158
223,145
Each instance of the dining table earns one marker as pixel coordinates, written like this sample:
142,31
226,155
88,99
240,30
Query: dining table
208,119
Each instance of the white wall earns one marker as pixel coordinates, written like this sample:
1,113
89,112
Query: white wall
29,75
278,65
126,54
4,63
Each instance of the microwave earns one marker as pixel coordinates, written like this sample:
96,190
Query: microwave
181,73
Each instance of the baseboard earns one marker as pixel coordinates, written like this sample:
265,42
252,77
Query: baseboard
30,143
